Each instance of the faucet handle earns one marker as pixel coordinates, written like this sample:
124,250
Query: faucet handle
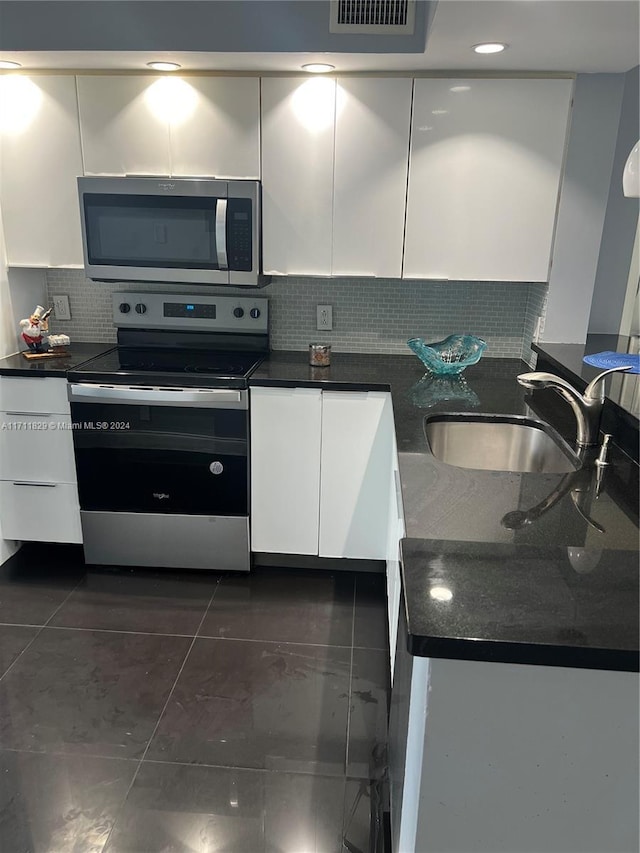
594,393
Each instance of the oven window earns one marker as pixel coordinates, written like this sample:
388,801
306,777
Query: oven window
161,459
151,231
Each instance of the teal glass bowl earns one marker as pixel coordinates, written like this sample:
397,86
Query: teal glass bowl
450,356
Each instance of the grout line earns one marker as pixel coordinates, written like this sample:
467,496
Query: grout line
42,627
58,753
353,634
116,631
160,715
63,754
250,769
274,642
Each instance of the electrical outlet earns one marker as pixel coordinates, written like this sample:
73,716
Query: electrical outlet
61,309
324,315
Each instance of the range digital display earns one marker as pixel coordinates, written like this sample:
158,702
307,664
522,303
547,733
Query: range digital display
189,309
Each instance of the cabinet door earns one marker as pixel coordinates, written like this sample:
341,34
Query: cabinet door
298,119
484,175
357,441
37,395
40,512
218,135
395,532
285,469
37,447
39,163
371,153
124,123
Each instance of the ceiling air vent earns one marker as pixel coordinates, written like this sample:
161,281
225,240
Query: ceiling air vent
385,17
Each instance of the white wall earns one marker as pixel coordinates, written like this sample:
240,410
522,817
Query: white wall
620,223
7,346
583,205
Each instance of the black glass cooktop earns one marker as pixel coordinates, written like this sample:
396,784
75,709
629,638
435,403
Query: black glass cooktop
169,366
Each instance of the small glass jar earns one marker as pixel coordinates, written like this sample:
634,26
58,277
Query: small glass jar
319,355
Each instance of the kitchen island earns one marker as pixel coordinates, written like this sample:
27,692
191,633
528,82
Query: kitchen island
514,719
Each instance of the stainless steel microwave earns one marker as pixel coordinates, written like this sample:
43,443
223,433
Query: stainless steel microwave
184,230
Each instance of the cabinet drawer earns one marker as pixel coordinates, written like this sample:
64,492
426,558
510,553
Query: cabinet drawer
27,394
39,512
36,447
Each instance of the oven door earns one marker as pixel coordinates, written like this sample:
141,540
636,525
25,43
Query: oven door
155,450
144,229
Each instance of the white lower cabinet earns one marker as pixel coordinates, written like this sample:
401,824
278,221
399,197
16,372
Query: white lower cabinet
395,532
285,469
40,512
320,472
38,489
357,435
37,448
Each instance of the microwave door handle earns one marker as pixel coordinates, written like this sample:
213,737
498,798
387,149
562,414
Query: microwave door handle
221,233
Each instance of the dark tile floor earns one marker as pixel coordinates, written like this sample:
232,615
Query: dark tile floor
147,711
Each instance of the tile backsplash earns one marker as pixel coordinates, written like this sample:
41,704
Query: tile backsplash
369,315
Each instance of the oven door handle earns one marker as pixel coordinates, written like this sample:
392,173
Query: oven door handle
152,396
221,233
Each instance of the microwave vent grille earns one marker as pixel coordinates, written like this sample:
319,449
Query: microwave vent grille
384,17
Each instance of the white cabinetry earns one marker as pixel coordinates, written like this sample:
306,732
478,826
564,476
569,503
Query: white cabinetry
357,437
38,491
334,171
298,120
320,472
285,469
370,177
39,162
218,134
124,123
395,532
484,175
197,126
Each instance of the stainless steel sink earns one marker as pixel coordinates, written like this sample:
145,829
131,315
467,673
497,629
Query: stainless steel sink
498,443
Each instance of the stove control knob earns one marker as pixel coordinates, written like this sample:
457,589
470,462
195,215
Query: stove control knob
255,313
141,308
124,307
238,312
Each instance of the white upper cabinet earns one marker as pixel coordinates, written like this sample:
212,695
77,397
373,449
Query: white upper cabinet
484,175
39,163
215,129
371,153
298,122
124,123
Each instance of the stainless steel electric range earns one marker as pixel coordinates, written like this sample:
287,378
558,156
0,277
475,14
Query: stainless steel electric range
161,432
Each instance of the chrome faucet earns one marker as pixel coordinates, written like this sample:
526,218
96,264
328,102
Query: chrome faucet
586,407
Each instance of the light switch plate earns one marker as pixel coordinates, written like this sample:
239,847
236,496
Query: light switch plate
324,318
61,308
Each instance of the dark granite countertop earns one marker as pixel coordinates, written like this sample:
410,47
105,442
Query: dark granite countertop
567,359
523,604
17,365
462,511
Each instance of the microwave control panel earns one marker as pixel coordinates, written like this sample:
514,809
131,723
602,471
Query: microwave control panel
239,230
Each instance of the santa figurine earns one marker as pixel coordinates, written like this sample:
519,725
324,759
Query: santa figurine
34,328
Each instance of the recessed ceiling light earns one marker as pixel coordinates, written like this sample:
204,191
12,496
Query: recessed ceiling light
164,66
459,88
5,63
490,47
318,67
